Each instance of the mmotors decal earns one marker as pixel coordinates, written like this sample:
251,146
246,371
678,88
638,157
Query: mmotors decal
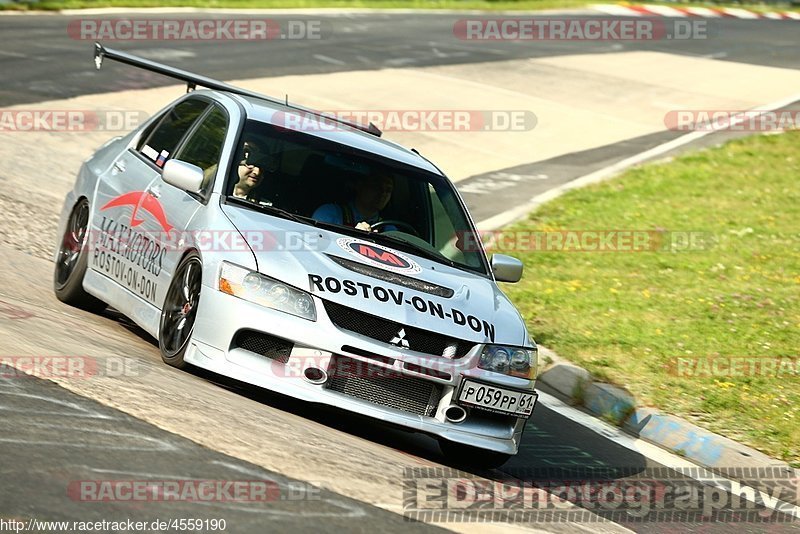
132,258
379,256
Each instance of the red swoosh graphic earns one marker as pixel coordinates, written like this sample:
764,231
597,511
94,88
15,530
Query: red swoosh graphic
152,206
140,199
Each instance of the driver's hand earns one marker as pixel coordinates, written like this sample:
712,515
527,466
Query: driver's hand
364,225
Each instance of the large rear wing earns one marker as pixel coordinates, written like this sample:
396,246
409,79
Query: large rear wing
196,80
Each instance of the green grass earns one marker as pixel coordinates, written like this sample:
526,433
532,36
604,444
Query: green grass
627,316
486,5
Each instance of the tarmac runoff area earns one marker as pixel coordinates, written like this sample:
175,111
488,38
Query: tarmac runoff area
581,102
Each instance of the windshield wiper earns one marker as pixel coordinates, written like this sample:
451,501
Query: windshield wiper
342,229
272,210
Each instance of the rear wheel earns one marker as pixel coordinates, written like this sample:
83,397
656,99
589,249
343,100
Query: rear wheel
72,260
468,456
180,310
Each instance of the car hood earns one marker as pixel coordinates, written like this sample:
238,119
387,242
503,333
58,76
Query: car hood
380,280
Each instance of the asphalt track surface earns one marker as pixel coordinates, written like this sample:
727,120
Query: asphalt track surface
52,440
51,437
48,64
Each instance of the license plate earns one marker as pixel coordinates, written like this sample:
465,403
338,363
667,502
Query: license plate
495,399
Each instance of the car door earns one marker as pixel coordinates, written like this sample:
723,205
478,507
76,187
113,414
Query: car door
129,221
202,146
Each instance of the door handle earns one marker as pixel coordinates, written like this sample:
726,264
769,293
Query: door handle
154,192
119,166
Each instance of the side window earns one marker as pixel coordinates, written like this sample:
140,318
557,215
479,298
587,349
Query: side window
161,143
149,130
204,146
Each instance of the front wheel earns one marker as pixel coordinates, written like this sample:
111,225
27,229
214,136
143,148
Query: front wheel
72,260
180,310
468,456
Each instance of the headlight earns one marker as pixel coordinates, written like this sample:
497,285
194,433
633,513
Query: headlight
263,290
513,361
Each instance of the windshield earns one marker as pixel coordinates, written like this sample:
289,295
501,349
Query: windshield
337,186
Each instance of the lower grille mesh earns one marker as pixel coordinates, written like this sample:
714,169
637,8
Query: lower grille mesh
268,346
382,386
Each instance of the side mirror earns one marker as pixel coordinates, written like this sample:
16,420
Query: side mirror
183,175
506,268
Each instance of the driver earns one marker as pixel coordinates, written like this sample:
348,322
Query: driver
363,211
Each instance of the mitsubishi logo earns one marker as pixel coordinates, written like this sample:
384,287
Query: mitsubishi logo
400,339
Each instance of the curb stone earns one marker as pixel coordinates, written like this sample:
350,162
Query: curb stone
613,404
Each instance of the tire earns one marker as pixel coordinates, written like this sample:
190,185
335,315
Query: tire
468,456
180,310
71,262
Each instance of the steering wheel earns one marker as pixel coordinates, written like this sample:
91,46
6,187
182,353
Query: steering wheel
399,224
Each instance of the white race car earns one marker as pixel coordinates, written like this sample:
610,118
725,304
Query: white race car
321,262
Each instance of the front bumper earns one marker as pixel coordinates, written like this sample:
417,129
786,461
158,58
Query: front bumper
220,317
